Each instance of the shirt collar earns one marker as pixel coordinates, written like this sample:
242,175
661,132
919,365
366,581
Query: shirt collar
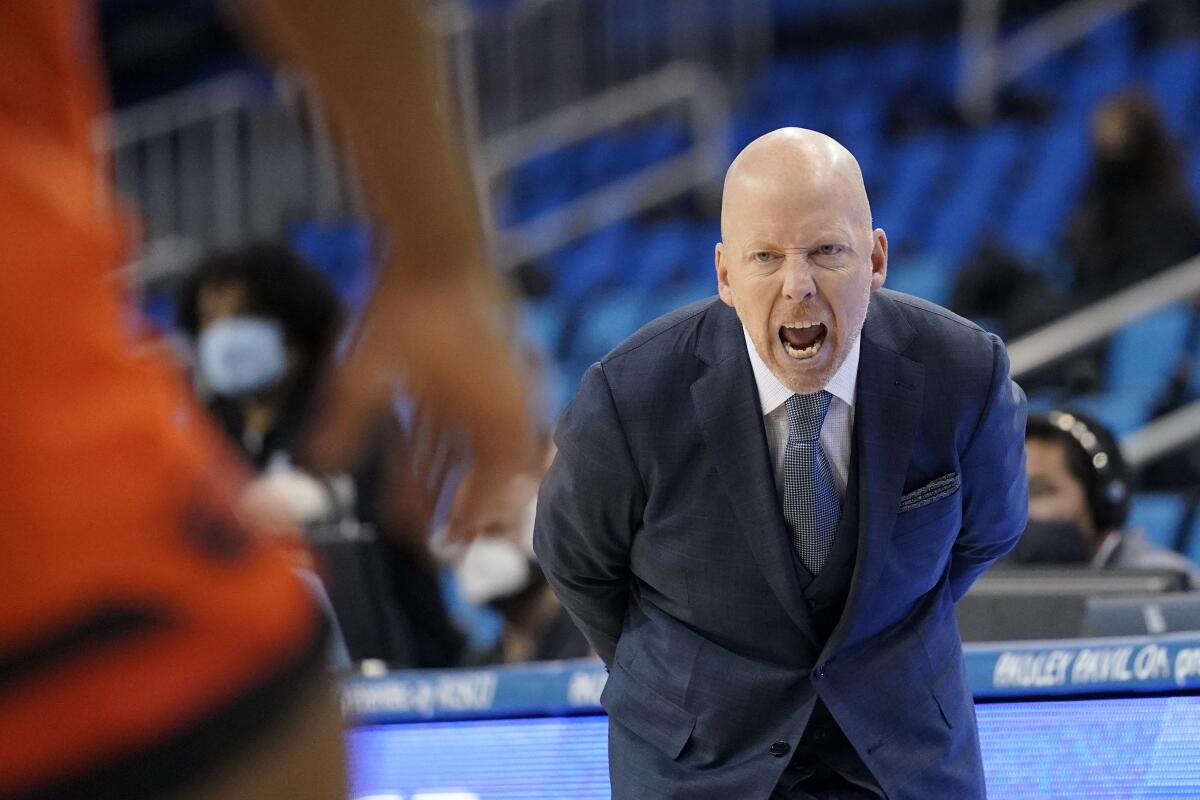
772,393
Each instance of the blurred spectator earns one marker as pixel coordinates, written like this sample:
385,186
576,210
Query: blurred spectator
262,321
1079,490
499,570
1003,294
1136,217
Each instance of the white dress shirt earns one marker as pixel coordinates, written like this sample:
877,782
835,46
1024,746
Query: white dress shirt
836,431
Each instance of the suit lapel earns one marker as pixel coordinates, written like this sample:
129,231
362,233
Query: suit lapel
887,416
730,417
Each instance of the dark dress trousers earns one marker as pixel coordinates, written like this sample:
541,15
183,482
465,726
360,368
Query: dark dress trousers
660,528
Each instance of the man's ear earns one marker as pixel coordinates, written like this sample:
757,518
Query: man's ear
879,257
723,287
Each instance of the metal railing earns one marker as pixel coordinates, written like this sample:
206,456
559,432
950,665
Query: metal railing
702,97
239,157
1089,325
516,63
990,61
1164,436
1050,343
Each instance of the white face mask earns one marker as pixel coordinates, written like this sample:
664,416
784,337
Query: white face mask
241,355
491,568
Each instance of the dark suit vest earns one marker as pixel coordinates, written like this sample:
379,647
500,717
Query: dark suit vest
826,596
826,593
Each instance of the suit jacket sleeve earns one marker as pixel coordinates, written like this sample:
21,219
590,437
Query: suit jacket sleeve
589,506
995,492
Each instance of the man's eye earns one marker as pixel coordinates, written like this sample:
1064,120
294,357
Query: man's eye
830,249
762,256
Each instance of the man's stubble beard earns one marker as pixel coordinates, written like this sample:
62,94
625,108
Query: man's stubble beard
822,380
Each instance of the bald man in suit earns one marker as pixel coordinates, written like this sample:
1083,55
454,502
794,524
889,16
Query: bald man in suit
765,505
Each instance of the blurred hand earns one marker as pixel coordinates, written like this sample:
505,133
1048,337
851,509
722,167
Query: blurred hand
493,503
300,497
436,321
448,347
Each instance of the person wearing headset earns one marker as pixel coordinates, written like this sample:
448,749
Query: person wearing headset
1079,491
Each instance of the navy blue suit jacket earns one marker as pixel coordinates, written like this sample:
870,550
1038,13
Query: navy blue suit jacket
660,529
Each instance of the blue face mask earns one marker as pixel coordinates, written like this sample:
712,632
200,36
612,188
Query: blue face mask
241,355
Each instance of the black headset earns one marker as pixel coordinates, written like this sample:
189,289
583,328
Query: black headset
1109,494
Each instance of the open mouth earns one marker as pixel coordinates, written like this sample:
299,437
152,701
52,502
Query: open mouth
803,339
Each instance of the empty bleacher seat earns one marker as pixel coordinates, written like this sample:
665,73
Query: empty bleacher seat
605,321
1173,75
1157,514
1056,173
984,166
542,324
917,166
1144,352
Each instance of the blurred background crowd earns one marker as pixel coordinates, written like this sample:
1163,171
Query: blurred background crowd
1034,163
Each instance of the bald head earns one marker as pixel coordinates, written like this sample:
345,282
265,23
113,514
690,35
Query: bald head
798,259
790,161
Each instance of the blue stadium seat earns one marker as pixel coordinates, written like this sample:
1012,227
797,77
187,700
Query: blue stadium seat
899,61
662,141
1192,176
925,276
680,295
780,95
1158,514
797,11
591,263
1096,78
540,184
1103,65
1191,548
860,128
672,251
601,159
1144,352
605,321
158,308
940,66
659,254
1049,78
1057,171
1173,73
917,166
1122,410
542,324
342,252
984,168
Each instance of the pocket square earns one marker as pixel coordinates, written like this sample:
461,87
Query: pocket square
931,492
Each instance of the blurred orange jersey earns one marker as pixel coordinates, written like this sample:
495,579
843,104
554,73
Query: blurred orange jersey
135,604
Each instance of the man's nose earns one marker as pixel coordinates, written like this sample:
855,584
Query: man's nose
798,283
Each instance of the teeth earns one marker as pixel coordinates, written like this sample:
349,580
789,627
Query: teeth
801,325
807,352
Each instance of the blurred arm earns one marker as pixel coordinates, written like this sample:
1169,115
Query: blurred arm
995,500
374,67
588,508
438,316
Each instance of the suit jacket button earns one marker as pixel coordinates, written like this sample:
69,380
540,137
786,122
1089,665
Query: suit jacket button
780,749
819,673
813,605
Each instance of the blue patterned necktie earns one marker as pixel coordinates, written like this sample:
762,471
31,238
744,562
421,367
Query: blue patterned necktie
811,503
